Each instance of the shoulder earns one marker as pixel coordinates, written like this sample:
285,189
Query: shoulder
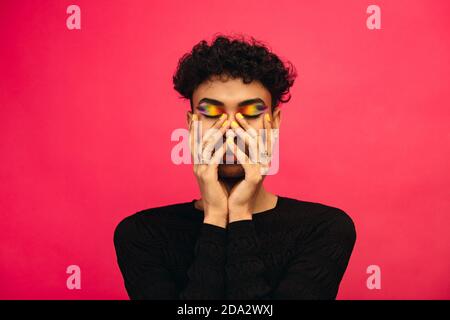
148,223
340,225
318,219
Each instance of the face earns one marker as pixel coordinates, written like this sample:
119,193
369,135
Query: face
227,95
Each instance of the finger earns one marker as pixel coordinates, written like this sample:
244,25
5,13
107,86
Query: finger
264,169
248,128
214,139
216,133
265,150
240,155
216,126
268,128
248,141
193,139
218,156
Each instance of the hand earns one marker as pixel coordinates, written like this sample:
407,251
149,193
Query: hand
213,191
242,195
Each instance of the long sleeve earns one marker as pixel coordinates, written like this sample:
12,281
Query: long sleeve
141,260
244,269
313,272
206,274
320,260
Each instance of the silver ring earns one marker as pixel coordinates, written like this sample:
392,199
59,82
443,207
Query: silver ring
265,155
204,160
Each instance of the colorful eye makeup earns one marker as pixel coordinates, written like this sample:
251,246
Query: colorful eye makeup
249,111
209,110
253,110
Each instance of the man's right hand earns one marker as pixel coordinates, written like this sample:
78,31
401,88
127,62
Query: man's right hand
213,191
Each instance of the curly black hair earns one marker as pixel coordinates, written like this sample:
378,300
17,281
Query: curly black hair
238,58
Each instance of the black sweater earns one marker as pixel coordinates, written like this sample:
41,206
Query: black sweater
297,250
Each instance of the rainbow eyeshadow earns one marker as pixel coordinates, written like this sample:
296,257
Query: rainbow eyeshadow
253,110
209,110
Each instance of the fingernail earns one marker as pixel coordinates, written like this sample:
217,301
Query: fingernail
239,115
194,117
234,124
223,116
225,123
267,116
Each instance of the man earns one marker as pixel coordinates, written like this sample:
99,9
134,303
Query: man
238,241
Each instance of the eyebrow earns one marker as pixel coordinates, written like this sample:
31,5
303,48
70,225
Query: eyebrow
240,104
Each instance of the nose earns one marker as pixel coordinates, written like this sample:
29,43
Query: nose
231,116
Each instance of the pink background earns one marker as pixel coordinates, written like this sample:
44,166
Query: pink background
86,117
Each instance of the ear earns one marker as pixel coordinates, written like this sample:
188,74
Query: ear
276,117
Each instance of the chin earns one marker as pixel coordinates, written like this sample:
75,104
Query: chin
231,171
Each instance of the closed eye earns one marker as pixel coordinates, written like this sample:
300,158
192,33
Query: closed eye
212,117
253,110
210,111
252,116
